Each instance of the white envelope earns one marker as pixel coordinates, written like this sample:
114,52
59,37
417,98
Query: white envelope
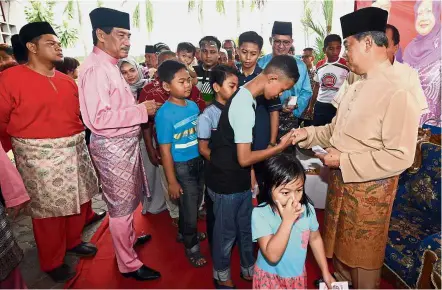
335,286
293,100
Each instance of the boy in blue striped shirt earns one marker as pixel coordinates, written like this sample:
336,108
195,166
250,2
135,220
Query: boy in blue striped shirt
176,133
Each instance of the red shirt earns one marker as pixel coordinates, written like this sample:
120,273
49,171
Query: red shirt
154,91
34,106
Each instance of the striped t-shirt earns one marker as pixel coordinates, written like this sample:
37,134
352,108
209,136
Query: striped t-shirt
176,125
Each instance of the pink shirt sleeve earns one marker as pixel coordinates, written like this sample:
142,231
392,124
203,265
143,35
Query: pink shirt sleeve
13,189
102,114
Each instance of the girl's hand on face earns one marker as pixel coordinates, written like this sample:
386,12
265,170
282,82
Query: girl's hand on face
291,211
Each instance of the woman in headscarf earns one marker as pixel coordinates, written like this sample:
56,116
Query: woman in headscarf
133,74
423,53
156,203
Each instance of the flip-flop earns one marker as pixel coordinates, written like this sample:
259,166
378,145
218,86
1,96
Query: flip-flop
194,258
244,278
218,286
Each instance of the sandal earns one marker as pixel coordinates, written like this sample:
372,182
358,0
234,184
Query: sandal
219,286
244,277
201,237
196,257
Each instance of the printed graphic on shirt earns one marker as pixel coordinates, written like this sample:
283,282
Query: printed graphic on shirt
330,77
206,90
176,125
185,135
328,81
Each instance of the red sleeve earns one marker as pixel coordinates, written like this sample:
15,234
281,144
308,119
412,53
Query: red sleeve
320,63
144,93
195,95
342,61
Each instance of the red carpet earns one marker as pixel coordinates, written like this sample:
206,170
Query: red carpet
164,254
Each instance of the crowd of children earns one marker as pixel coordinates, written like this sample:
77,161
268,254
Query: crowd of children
211,127
216,138
213,137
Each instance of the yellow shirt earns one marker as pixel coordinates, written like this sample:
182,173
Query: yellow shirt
375,127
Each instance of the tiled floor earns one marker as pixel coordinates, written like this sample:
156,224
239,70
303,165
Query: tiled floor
30,267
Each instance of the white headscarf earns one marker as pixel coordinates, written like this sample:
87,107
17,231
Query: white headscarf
141,82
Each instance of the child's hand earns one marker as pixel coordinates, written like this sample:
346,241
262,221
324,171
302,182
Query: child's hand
328,279
286,140
175,190
291,211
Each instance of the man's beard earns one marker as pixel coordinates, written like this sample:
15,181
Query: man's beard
55,62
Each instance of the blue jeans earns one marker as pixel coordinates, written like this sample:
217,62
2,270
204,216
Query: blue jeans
233,215
190,176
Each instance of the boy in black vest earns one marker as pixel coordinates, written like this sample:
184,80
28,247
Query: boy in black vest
228,174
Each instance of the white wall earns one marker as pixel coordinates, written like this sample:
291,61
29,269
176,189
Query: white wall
14,12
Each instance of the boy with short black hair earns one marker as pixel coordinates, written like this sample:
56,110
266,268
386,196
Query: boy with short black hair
267,111
330,74
210,47
228,173
224,81
176,133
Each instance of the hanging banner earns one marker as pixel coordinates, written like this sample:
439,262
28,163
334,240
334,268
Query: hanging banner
419,25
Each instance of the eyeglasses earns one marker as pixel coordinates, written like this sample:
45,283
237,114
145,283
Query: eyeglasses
278,42
306,56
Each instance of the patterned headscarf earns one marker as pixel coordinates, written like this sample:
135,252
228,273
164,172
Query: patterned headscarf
141,82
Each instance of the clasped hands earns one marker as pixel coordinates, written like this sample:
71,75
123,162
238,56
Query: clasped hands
331,159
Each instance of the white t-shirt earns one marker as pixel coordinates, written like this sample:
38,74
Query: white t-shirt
330,76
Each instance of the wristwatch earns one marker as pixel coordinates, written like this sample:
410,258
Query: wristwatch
272,144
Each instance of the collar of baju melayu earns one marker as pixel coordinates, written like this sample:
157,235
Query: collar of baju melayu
104,56
380,69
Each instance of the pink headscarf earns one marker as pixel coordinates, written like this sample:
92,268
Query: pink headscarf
423,50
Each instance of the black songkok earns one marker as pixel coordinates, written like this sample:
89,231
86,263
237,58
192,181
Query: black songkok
106,17
19,50
34,29
364,20
282,28
149,49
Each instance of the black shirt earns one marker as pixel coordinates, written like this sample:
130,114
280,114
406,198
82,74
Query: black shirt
224,174
203,84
